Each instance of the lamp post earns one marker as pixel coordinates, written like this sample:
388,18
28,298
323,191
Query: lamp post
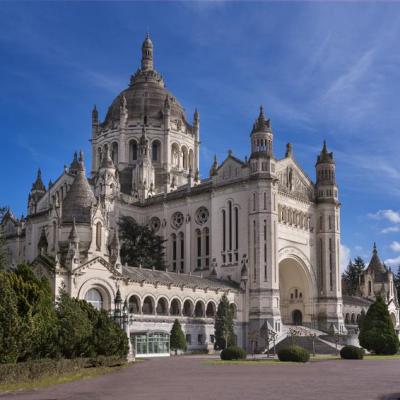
121,317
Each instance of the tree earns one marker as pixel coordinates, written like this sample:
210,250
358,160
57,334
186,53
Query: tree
140,245
177,338
224,334
351,277
10,322
377,332
76,329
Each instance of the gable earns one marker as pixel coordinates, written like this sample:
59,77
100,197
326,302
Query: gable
293,180
230,169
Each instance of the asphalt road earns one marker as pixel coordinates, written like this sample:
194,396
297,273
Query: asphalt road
192,378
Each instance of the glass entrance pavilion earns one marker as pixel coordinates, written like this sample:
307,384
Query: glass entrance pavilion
150,343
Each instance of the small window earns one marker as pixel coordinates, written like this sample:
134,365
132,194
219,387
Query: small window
200,338
189,339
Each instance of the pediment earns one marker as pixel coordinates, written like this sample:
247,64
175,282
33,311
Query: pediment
230,169
293,180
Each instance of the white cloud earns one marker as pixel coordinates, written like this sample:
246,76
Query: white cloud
393,262
395,246
391,229
345,255
390,215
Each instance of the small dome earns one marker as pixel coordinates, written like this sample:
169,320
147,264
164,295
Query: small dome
78,201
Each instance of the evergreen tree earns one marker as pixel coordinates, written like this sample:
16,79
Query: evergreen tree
140,245
11,327
351,277
377,332
76,329
223,326
177,338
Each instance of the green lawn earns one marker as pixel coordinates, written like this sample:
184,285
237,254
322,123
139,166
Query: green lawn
84,373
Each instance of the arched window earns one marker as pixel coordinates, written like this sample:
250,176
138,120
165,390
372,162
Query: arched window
156,151
175,308
175,155
174,251
134,305
162,306
223,233
187,308
206,237
369,288
182,250
210,311
347,318
265,200
198,242
94,297
114,153
184,157
98,236
254,202
133,151
148,307
236,232
199,310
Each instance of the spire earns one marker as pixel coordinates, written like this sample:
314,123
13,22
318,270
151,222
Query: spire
95,115
38,185
289,150
261,124
325,157
196,117
147,54
214,167
374,251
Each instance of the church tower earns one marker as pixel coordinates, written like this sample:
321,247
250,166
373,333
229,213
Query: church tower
328,243
263,217
37,192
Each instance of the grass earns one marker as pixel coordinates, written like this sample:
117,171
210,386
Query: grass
381,357
84,373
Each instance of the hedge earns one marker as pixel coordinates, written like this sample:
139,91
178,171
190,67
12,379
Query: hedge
352,353
294,353
36,369
233,353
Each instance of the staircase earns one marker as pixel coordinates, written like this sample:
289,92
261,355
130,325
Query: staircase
304,337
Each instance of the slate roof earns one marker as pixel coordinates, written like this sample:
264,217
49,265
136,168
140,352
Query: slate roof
176,279
356,301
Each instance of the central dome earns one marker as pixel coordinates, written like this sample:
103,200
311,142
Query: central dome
146,95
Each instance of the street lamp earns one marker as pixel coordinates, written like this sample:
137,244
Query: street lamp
121,317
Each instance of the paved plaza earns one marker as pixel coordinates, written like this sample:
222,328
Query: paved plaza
195,378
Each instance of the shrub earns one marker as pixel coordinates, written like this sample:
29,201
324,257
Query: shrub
352,353
177,338
233,353
294,353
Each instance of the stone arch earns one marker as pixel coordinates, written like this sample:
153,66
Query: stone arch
175,307
162,306
134,304
199,310
133,150
211,309
114,152
347,318
296,274
353,319
185,157
188,308
175,155
148,306
106,290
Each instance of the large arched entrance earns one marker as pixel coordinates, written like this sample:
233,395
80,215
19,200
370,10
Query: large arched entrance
296,292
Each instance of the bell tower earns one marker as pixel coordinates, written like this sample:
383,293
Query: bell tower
328,243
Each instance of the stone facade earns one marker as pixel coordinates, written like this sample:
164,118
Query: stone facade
259,229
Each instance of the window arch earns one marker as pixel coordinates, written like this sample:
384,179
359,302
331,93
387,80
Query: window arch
148,306
191,160
94,297
114,153
133,150
187,308
185,157
174,251
134,304
211,310
156,151
162,306
175,155
98,236
175,308
199,309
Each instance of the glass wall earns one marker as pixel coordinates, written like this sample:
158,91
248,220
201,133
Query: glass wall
148,344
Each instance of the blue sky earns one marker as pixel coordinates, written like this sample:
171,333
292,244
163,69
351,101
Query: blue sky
321,70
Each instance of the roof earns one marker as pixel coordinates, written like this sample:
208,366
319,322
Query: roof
356,301
376,267
176,279
78,201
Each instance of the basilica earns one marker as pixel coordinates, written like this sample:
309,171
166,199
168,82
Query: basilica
259,230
